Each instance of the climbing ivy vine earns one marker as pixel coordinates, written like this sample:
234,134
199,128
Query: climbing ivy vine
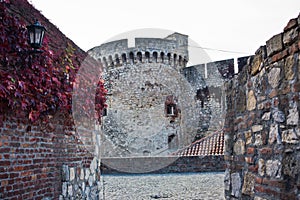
36,84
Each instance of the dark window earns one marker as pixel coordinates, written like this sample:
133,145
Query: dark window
170,138
171,109
110,60
162,56
155,56
139,56
124,59
175,59
117,59
105,61
169,58
180,60
131,57
104,112
147,55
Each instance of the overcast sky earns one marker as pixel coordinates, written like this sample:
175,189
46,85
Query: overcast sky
232,25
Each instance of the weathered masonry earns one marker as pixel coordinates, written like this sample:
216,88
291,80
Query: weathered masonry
44,160
262,123
156,103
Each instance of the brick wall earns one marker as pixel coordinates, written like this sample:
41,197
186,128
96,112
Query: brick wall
32,156
262,123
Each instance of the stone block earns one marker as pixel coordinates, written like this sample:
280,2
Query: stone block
65,173
248,137
87,192
239,147
236,184
278,116
291,24
258,140
227,179
261,167
256,64
290,137
257,128
64,189
94,192
248,186
274,77
273,133
81,174
266,116
72,173
291,165
290,36
289,68
94,165
87,174
251,100
83,186
274,44
70,190
259,198
273,168
293,117
92,180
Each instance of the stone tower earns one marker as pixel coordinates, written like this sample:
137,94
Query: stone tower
152,107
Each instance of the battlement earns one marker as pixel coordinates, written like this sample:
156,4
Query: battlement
172,50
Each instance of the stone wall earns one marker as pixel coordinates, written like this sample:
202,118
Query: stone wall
180,164
262,122
137,121
172,50
81,182
207,81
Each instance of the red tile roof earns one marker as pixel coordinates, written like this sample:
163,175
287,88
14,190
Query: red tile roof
212,144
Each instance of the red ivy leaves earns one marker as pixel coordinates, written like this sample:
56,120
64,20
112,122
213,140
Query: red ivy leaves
33,83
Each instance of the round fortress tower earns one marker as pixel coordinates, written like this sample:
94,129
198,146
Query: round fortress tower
151,106
172,50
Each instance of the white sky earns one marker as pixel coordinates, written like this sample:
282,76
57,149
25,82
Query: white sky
234,25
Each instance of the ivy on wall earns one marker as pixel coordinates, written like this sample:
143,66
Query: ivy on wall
37,84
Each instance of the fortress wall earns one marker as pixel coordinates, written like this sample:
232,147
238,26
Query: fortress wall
180,165
262,130
146,50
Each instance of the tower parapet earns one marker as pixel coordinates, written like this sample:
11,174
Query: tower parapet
172,50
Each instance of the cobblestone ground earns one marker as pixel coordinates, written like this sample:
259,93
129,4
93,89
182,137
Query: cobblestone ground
164,186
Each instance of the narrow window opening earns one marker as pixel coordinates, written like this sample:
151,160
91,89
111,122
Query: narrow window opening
147,55
180,60
124,59
162,56
175,59
171,109
169,58
155,56
139,56
117,59
131,57
104,112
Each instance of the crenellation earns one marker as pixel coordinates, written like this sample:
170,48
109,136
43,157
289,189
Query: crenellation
171,50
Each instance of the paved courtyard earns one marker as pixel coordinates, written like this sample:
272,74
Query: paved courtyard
164,186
